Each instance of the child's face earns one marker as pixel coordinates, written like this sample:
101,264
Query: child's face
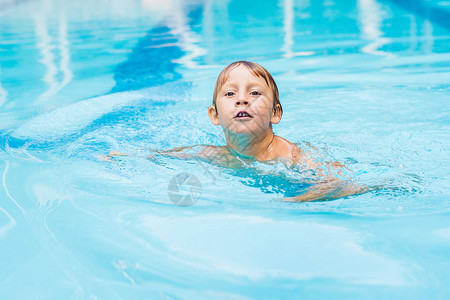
244,104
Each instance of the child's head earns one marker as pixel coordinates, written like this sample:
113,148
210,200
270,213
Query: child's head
257,70
245,99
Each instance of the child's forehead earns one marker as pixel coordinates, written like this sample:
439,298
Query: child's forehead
241,69
242,73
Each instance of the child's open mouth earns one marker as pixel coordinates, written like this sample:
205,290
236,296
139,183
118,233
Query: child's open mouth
243,115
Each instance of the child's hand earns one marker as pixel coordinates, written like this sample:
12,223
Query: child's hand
115,153
109,156
103,157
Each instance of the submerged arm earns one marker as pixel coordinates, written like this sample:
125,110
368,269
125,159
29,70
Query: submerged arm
331,184
177,152
333,188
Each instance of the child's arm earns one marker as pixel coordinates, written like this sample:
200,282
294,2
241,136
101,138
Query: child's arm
333,188
109,156
115,153
177,152
332,183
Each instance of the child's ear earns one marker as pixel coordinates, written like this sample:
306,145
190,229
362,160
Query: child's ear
277,114
213,115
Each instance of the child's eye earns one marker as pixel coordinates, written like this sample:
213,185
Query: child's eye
229,94
255,93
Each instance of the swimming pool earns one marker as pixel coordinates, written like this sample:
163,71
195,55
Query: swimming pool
366,81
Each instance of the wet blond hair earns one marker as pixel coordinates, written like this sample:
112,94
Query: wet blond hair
256,70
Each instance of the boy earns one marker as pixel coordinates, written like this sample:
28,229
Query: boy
246,104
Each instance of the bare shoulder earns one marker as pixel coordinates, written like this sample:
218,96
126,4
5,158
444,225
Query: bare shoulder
313,159
292,154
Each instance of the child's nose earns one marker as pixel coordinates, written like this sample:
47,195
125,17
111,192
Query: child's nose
241,100
244,102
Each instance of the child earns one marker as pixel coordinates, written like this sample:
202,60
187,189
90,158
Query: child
246,104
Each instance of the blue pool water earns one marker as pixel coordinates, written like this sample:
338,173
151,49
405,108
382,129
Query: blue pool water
365,81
